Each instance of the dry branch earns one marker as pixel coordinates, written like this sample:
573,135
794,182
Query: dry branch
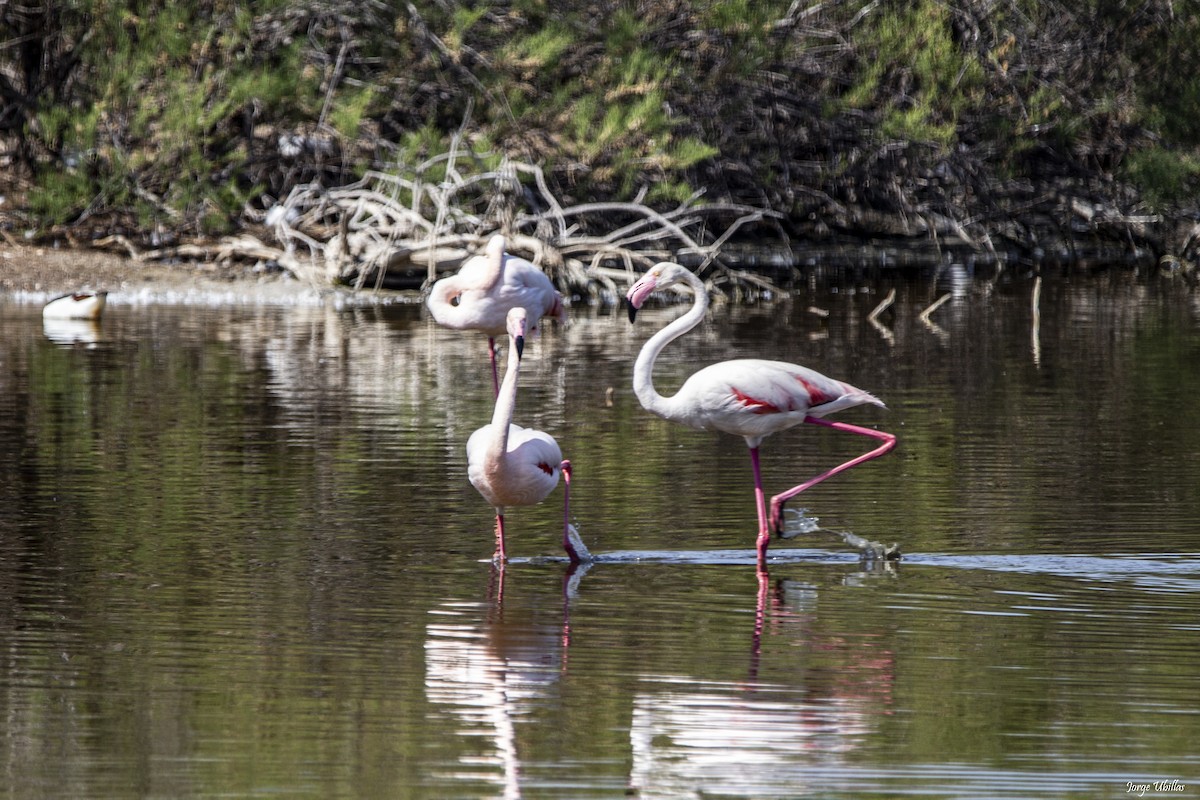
412,225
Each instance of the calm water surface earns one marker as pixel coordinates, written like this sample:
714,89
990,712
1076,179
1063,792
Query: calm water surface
239,557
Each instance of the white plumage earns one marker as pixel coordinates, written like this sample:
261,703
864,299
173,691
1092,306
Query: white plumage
754,398
751,398
483,291
514,466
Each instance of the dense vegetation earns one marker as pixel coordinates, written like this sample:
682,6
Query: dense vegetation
1002,124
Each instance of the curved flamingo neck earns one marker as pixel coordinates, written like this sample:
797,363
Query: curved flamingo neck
494,274
506,402
440,297
643,367
444,292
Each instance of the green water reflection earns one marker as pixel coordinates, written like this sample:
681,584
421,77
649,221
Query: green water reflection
239,557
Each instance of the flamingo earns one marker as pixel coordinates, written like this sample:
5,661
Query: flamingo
515,466
752,398
479,296
77,305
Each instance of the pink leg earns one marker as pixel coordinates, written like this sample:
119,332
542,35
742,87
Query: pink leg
760,615
570,548
500,555
496,585
495,376
889,441
760,502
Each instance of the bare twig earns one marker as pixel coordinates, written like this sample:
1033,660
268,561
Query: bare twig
934,306
929,323
884,305
1035,327
402,220
873,318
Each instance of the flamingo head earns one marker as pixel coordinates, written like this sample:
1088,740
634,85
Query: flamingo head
516,322
660,276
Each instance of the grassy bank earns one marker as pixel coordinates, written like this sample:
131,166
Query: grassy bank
982,121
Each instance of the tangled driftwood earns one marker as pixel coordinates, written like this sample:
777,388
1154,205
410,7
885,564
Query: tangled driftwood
403,228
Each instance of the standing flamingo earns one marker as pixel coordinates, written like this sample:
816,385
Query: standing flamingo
479,296
752,398
515,466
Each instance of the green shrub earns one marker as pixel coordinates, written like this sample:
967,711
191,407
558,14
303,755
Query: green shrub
913,73
1164,176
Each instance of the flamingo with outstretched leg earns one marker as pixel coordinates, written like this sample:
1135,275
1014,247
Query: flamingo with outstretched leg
480,295
515,466
752,398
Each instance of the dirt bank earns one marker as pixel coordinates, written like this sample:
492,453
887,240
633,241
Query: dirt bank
34,274
37,270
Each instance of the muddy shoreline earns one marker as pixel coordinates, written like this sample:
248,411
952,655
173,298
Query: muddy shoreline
30,274
34,274
50,270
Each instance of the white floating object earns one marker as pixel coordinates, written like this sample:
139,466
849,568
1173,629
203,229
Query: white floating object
78,305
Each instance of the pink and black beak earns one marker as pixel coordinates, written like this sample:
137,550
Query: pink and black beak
638,293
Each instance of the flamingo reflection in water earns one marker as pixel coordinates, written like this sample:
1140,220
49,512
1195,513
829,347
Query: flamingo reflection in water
752,398
693,738
490,667
493,667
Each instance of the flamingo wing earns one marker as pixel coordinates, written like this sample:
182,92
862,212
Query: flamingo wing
537,457
527,286
521,476
755,398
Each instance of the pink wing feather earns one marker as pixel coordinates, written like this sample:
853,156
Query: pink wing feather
755,397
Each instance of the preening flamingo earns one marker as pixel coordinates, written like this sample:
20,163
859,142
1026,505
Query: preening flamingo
752,398
479,296
77,305
515,466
